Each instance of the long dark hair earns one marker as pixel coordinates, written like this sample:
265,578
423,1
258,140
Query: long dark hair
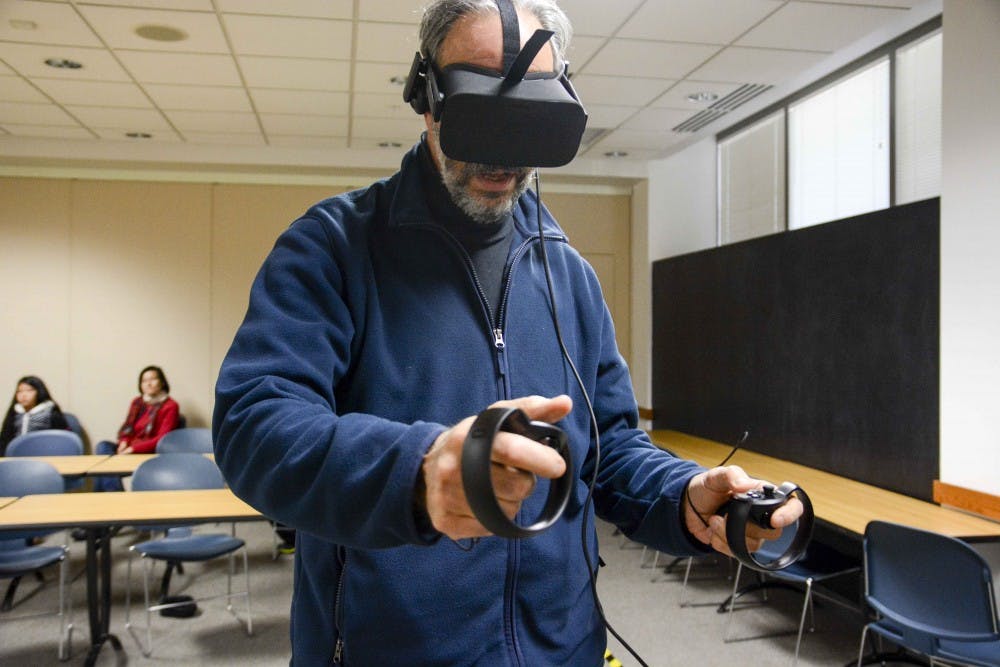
7,431
159,371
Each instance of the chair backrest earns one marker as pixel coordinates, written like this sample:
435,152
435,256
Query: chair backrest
930,585
74,425
48,442
177,471
25,477
186,440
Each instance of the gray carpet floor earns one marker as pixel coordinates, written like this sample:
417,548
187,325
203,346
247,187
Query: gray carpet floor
665,622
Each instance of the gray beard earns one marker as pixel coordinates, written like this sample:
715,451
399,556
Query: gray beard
456,178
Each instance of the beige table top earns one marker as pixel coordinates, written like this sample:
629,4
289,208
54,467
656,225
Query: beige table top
124,464
838,500
109,509
71,465
6,501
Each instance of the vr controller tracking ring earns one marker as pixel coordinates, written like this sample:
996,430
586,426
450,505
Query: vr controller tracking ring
477,471
757,507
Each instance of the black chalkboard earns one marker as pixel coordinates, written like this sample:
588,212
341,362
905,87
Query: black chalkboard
823,342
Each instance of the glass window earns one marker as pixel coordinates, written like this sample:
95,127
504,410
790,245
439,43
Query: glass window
918,120
752,181
838,149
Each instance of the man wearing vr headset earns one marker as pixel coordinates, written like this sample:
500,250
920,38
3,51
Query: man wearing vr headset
381,323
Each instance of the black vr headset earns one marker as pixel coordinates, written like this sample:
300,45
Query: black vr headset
509,119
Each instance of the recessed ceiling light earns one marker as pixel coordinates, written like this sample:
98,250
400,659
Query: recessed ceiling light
161,33
397,80
702,97
138,135
616,154
389,144
63,63
22,24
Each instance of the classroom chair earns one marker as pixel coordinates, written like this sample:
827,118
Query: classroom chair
49,442
198,440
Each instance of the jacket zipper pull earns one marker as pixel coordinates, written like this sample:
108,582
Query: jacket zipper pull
498,338
338,651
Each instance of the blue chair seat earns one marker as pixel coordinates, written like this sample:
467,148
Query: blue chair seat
191,548
980,654
16,558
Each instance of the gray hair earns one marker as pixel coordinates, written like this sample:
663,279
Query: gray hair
440,15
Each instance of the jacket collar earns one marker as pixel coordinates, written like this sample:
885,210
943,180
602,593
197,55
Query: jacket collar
409,203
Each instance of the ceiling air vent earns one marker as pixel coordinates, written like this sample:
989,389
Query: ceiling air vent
716,110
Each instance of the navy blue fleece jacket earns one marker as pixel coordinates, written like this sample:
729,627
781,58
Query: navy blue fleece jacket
366,336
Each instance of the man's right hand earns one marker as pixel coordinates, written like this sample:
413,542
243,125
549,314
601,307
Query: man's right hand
516,462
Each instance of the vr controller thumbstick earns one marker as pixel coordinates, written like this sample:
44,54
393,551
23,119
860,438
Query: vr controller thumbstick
758,507
477,464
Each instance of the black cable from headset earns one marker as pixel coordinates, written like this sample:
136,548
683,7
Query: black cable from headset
593,423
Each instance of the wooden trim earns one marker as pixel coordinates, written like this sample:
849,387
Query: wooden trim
973,501
645,413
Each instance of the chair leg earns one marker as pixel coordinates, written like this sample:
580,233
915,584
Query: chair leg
806,604
8,599
65,611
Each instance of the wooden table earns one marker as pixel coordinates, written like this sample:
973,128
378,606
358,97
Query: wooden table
98,513
841,502
6,501
123,465
71,466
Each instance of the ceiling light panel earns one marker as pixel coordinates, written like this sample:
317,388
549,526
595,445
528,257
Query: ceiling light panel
672,20
117,25
56,23
289,37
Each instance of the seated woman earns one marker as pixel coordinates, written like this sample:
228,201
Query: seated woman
31,409
150,415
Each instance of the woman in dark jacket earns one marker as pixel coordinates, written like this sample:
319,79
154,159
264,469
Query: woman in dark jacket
31,409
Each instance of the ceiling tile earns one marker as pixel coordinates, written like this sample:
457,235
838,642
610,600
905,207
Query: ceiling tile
16,89
706,21
7,71
395,12
54,24
582,49
181,68
907,4
289,37
49,131
34,114
321,9
658,120
144,120
608,115
29,60
118,134
404,131
377,105
106,93
296,73
225,138
286,123
386,43
631,154
185,5
676,97
117,26
631,140
300,101
306,141
816,27
655,60
375,78
619,90
738,64
213,121
206,98
598,18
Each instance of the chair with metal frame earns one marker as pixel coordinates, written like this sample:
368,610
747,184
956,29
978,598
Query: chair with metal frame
933,596
18,557
819,564
182,470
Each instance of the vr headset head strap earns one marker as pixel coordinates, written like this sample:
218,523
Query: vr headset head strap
511,32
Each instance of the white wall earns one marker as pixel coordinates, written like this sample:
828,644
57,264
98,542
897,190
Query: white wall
682,201
970,236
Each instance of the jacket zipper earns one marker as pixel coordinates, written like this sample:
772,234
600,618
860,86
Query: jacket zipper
338,648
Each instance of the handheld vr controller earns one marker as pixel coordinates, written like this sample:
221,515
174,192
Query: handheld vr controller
758,506
477,464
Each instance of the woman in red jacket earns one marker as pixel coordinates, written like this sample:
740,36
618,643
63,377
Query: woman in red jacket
150,415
